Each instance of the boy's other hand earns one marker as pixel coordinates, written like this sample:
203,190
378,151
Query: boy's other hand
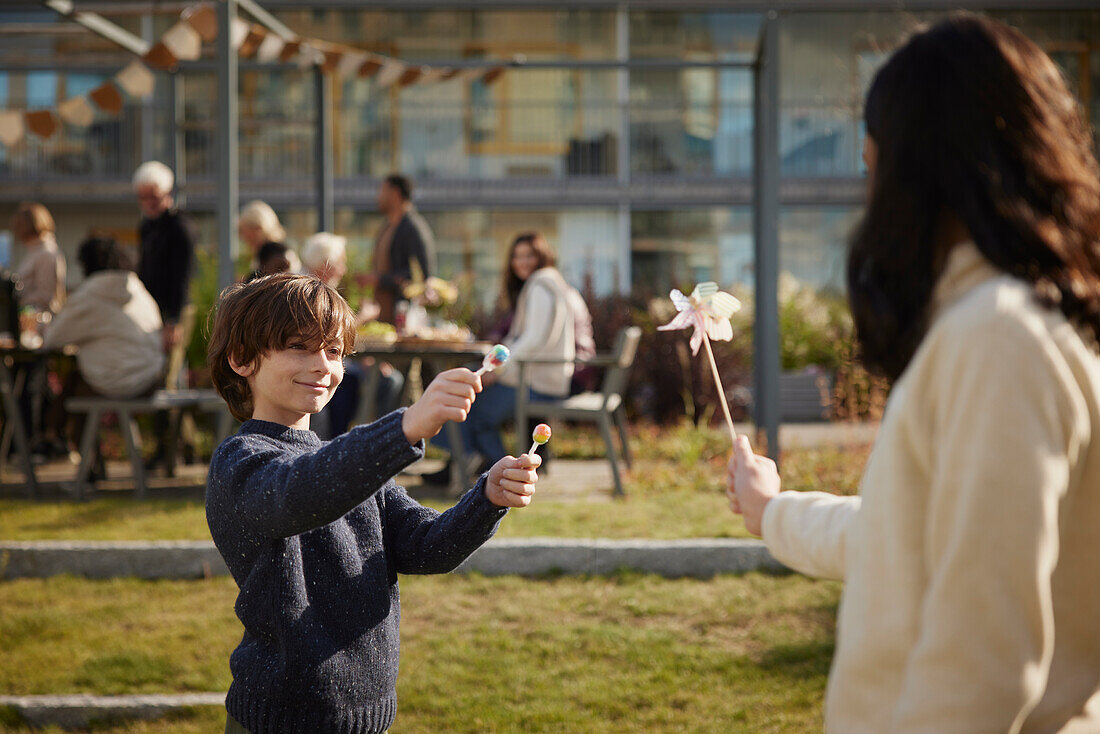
511,481
751,482
448,398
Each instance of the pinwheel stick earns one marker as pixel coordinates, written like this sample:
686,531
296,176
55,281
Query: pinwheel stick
721,390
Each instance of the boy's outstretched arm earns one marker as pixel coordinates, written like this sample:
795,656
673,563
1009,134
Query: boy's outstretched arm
422,540
279,496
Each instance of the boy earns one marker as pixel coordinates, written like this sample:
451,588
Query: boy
315,533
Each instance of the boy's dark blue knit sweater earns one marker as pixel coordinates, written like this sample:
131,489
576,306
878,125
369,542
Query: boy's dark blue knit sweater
315,534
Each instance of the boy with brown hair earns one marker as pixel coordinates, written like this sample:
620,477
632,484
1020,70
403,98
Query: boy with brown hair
315,533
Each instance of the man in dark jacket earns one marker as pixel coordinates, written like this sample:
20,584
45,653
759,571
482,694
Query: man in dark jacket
166,259
405,238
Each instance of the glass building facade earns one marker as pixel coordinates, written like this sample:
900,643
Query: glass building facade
627,139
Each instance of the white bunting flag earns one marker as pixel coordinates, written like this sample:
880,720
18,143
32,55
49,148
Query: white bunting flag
77,111
390,72
183,41
11,127
270,49
136,80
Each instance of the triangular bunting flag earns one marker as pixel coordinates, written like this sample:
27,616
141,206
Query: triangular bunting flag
390,72
270,49
76,111
371,66
107,98
252,41
159,57
410,76
42,123
238,32
290,51
183,41
492,75
136,80
204,19
11,127
351,63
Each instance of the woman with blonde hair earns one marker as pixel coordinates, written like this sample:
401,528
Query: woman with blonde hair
41,272
258,226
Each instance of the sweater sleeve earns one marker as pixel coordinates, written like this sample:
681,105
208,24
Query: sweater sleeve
808,531
422,540
278,496
1007,422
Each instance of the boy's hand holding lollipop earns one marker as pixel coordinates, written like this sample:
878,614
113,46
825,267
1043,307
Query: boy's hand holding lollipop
447,398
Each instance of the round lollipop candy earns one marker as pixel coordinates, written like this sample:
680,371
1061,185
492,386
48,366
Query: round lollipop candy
497,356
539,436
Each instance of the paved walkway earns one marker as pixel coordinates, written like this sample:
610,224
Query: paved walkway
566,479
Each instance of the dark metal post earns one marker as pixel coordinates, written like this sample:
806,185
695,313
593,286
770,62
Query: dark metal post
228,131
323,151
766,226
175,136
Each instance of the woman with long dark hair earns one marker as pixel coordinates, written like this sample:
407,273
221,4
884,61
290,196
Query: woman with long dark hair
972,600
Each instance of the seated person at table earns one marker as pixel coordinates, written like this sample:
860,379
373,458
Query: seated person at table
315,533
114,323
543,328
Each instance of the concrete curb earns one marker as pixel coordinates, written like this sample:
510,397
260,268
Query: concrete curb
698,558
77,711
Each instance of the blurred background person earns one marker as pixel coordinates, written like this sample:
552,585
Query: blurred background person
542,328
166,261
41,280
404,238
272,258
41,270
115,323
258,226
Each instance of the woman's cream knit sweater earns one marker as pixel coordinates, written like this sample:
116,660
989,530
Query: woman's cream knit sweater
971,558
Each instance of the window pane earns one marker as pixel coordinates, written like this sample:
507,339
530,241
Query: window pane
679,248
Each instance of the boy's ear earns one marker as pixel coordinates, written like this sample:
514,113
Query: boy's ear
244,370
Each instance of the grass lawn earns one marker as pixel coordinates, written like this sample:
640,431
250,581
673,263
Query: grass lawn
675,491
622,653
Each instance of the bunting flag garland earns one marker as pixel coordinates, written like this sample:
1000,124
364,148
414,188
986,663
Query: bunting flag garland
183,41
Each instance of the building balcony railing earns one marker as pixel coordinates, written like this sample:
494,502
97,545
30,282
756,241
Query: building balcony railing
540,143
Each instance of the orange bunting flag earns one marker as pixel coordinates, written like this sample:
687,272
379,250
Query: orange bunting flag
290,50
492,75
42,123
410,76
107,98
370,67
256,36
159,57
204,19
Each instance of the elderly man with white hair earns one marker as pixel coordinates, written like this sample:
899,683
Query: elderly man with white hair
166,259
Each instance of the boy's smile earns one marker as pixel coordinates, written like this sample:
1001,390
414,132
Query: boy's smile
289,384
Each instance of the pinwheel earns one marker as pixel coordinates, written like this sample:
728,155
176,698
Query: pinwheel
707,310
